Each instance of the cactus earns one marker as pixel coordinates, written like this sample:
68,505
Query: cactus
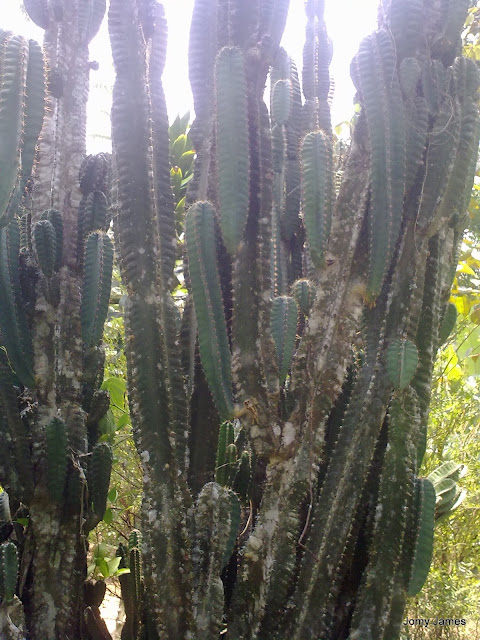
42,268
45,244
322,414
402,361
284,331
98,267
424,539
376,72
317,188
8,571
99,469
232,141
207,297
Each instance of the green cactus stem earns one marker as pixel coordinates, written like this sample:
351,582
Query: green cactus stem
304,292
214,517
376,592
424,535
54,217
99,469
98,267
34,109
45,245
377,80
284,332
281,101
402,362
90,18
317,192
8,571
225,439
232,145
207,297
13,320
13,74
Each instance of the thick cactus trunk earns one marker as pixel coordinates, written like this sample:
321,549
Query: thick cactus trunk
56,263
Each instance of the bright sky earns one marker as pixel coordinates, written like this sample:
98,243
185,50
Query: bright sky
348,21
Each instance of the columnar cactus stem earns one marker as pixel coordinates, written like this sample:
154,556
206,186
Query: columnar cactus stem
330,418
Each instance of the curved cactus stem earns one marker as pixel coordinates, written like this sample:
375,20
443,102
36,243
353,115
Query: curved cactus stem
207,297
427,339
97,280
232,145
90,17
38,12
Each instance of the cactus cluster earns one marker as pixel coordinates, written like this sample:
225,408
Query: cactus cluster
306,351
294,382
55,272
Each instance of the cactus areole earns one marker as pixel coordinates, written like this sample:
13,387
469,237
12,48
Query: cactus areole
280,414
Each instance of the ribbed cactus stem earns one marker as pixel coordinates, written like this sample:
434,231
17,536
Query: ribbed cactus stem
381,96
317,192
207,297
13,73
232,143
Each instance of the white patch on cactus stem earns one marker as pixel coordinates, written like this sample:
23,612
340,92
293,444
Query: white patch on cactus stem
141,250
276,429
254,543
271,519
314,322
145,456
288,433
152,516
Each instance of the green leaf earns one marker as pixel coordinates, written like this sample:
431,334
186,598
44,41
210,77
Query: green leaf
102,566
402,361
113,565
107,424
108,516
117,387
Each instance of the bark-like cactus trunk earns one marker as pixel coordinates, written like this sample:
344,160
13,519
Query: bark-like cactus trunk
57,262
